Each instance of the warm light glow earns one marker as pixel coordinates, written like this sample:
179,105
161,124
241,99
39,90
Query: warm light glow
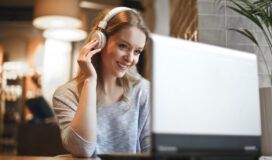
46,22
13,69
65,34
93,5
57,64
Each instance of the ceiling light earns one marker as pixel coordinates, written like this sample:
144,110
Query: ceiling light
93,5
56,14
46,22
65,34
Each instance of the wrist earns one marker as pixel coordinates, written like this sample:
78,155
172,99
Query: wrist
90,80
82,78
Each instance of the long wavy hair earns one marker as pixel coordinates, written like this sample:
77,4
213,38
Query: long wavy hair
115,24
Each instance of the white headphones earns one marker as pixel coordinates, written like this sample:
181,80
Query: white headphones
99,35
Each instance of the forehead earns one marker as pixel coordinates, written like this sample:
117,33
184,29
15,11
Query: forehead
133,35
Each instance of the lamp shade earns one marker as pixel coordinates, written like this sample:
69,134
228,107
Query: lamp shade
68,34
56,14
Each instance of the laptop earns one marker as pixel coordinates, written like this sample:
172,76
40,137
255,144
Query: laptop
40,109
205,100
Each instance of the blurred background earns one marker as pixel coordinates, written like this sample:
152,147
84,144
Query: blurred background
39,45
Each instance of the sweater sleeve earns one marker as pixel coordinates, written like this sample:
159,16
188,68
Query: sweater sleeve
145,115
64,105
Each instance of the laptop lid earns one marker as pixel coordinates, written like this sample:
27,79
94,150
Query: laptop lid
205,99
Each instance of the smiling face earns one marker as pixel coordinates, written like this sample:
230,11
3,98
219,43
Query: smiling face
122,51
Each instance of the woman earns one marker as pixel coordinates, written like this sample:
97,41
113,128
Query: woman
106,107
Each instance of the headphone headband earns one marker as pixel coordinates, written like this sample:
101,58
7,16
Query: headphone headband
103,24
99,35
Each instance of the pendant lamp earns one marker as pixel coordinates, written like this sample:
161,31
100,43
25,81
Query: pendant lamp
56,14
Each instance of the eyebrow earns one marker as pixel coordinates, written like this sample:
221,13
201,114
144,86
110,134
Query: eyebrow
124,41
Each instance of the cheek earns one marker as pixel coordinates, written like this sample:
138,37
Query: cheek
116,54
108,56
111,52
136,60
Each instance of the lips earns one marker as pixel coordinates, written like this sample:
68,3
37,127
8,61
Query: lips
123,66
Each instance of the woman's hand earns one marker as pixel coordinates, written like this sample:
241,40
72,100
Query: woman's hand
85,59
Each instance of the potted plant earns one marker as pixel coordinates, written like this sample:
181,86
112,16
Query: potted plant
260,13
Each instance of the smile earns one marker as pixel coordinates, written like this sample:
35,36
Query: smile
122,66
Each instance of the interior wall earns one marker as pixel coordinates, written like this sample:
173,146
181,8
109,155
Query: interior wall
16,39
215,19
162,17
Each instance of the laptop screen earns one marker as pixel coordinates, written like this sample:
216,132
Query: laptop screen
205,99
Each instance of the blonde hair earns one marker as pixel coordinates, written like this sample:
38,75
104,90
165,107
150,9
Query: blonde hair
115,24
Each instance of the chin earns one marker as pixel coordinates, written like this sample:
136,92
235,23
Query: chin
120,74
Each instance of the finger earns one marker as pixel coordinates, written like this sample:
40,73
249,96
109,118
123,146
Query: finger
92,44
93,52
85,49
88,55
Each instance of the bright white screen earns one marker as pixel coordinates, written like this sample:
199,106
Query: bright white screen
203,89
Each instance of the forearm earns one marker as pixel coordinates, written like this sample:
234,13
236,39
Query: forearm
84,121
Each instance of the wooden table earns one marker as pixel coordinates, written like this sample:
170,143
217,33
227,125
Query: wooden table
7,157
69,157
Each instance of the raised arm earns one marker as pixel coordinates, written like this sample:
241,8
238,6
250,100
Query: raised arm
84,121
79,129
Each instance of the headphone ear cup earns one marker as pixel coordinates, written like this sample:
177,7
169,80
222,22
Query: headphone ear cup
100,36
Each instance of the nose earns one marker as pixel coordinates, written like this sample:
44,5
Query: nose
129,56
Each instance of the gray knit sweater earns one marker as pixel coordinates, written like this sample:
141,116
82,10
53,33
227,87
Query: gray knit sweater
121,127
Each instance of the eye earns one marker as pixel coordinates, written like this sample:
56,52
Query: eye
122,46
137,52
